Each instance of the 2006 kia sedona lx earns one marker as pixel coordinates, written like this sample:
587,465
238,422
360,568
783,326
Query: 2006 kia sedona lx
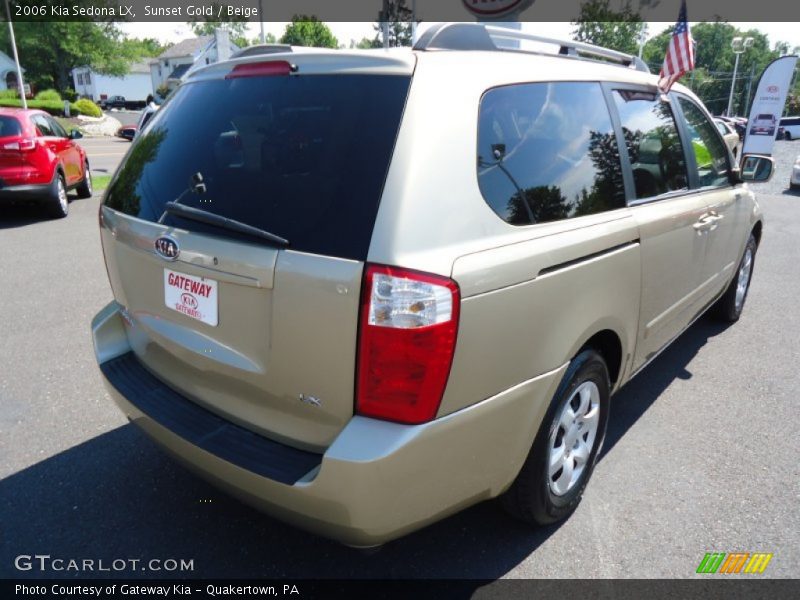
368,289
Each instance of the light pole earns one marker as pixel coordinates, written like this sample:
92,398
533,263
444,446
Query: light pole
20,83
738,45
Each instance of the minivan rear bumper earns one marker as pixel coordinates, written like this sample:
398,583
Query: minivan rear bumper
375,482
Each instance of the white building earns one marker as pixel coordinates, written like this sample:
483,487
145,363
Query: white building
178,60
8,72
135,86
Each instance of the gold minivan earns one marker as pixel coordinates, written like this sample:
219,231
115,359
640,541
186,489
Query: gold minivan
362,290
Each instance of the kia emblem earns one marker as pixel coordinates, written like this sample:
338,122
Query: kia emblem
772,89
167,248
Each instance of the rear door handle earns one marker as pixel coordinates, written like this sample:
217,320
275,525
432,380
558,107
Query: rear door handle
705,223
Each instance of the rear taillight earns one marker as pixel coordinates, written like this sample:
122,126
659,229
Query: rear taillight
408,327
20,145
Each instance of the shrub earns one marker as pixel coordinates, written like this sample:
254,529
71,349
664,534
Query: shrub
70,94
88,108
5,94
48,96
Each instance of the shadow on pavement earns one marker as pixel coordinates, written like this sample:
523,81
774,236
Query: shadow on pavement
116,496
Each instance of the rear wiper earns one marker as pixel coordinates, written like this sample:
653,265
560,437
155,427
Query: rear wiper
209,218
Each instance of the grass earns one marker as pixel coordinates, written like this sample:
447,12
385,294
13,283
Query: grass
100,182
68,124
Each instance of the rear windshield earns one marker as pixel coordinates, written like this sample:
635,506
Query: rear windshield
302,157
9,126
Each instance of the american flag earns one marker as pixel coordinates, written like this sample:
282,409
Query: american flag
680,53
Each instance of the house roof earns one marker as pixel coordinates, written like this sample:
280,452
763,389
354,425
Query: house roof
187,47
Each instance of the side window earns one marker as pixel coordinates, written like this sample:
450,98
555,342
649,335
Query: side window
654,147
43,126
56,127
547,151
710,153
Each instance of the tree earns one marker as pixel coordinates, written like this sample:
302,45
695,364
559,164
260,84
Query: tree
136,49
49,50
236,26
307,30
618,30
714,60
398,16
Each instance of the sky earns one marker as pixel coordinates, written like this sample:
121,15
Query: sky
174,32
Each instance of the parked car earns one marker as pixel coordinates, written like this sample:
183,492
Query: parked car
763,124
794,178
363,304
40,162
145,117
127,132
113,102
739,124
728,134
791,128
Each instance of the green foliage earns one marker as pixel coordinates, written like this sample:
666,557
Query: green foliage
48,96
70,94
136,49
49,50
600,25
307,30
8,94
398,16
236,26
54,108
367,43
88,108
714,61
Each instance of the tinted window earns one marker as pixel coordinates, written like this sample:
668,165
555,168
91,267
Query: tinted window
56,127
547,151
710,152
42,125
303,157
654,147
9,126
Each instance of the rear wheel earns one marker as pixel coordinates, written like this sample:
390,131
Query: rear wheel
787,136
562,458
84,188
729,307
59,203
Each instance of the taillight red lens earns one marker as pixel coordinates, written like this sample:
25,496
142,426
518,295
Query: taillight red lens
261,69
407,337
21,145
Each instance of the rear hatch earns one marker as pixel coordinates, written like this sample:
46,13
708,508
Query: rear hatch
259,331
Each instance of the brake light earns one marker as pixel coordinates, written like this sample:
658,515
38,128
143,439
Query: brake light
407,337
20,145
261,69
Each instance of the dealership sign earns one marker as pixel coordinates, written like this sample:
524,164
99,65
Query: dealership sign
767,107
496,9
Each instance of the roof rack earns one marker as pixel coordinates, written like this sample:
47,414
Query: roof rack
477,36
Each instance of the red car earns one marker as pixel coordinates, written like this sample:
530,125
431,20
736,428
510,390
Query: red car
40,161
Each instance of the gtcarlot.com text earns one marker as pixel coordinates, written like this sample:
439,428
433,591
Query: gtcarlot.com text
47,563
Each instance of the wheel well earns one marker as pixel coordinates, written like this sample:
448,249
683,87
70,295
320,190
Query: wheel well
757,232
607,343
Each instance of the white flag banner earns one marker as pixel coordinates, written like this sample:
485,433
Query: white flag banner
767,108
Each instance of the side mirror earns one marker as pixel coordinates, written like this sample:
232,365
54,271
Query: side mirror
75,134
757,168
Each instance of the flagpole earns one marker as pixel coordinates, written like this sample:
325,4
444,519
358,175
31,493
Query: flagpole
20,83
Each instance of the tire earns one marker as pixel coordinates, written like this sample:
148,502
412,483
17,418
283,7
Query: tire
787,136
58,202
84,188
538,498
730,306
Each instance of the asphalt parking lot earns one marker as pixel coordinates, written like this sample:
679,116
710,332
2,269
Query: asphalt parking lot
701,453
